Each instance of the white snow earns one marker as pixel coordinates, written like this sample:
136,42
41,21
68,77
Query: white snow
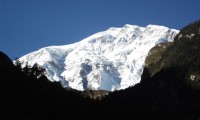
109,60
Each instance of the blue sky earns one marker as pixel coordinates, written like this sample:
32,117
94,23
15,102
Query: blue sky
28,25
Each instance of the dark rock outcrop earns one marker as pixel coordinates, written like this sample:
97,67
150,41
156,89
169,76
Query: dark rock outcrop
172,74
183,53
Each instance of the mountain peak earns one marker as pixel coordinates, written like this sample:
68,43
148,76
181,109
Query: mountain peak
130,26
114,29
109,60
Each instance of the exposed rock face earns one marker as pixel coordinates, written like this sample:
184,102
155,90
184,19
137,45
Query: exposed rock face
183,53
154,56
171,77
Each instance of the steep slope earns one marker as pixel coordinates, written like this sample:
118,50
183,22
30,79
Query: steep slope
183,52
109,60
171,78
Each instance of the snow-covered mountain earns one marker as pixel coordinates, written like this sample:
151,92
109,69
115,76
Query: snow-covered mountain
109,60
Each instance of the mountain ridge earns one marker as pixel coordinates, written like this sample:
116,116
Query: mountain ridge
109,60
170,93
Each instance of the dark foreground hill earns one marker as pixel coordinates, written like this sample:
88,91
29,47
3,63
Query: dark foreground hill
169,89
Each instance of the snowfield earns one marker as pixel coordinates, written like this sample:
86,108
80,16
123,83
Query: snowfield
109,60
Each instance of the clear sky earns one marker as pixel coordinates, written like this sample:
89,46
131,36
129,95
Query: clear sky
27,25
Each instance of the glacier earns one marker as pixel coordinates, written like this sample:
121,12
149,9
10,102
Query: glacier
109,60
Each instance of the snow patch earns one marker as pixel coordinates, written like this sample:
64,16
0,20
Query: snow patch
109,60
